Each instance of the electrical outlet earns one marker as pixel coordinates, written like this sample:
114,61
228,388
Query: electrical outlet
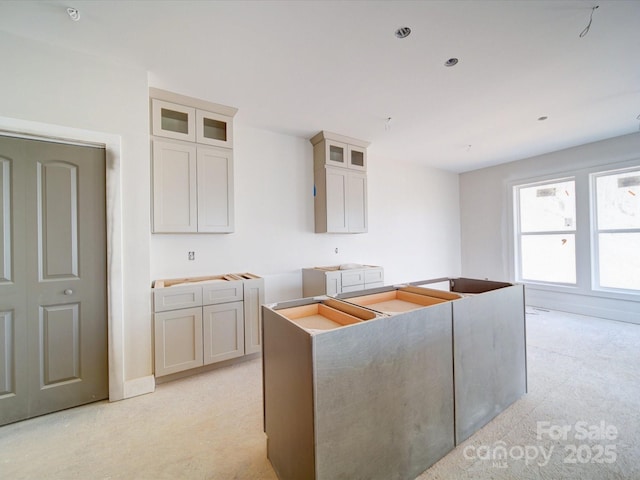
336,249
192,255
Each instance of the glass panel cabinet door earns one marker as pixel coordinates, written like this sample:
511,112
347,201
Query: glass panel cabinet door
336,154
357,158
214,129
173,121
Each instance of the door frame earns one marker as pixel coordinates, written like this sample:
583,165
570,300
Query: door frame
115,305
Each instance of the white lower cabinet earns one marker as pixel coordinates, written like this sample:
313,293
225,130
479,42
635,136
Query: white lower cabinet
178,340
223,332
204,320
336,279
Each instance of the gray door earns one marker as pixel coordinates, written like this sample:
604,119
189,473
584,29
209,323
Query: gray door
53,320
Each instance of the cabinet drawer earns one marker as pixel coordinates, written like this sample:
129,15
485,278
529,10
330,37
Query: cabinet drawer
222,292
354,277
373,276
174,298
353,288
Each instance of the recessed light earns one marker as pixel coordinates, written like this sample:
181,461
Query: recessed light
451,62
403,32
540,119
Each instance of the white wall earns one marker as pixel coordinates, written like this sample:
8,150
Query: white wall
413,211
413,221
79,96
484,217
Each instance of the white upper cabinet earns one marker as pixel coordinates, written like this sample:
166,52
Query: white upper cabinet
335,150
340,189
180,122
215,190
174,187
171,120
192,160
214,129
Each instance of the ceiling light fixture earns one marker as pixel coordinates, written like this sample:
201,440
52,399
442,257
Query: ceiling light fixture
403,32
74,14
451,62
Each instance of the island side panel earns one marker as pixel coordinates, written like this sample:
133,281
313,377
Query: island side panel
288,397
384,396
489,356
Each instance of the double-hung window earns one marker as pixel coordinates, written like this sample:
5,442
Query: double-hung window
588,243
546,232
616,231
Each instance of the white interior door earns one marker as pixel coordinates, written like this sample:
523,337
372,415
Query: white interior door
53,318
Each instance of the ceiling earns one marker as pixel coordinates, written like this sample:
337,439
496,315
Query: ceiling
298,67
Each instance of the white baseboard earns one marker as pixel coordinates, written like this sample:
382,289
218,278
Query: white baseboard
609,308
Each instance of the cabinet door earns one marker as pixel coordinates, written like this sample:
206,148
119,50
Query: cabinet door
357,157
173,121
223,332
215,190
178,340
336,198
336,153
214,129
253,300
174,187
334,283
357,203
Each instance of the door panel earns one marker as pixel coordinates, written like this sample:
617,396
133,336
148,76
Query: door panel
59,344
57,220
56,333
5,220
7,358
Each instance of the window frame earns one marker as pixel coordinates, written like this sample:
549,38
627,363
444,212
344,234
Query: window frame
518,234
585,247
596,231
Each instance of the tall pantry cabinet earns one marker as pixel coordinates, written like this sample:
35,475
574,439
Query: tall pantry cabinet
192,164
340,165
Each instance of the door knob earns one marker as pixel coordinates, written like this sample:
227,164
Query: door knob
68,291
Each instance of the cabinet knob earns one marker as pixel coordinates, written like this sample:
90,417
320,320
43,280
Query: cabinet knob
68,291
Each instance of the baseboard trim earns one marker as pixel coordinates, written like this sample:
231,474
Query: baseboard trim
611,309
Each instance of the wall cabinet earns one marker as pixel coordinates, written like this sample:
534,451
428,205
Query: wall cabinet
336,279
192,165
181,122
204,320
340,190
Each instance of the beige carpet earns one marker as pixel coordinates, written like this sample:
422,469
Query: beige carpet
583,373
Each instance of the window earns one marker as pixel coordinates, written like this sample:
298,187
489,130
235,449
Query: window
580,233
546,232
616,230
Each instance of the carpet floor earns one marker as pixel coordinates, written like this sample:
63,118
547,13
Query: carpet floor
580,420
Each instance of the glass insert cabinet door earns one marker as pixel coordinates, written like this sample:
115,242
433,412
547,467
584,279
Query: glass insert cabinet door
213,129
344,155
171,120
